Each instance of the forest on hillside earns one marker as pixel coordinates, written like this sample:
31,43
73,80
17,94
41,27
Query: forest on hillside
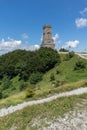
24,63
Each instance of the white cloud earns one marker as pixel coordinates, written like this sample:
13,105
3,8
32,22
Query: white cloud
57,41
10,44
84,11
71,44
25,36
31,47
55,38
34,47
81,22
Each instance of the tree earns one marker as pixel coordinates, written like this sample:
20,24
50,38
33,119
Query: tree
63,50
79,65
24,63
35,78
10,71
47,59
6,83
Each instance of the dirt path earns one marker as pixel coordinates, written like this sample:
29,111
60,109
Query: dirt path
11,109
84,56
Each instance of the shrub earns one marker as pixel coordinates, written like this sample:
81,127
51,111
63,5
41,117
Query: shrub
23,85
35,77
0,95
6,83
29,93
69,55
52,77
79,65
5,94
57,71
59,83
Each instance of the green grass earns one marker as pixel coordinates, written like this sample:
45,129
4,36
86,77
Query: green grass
41,93
72,80
67,72
24,119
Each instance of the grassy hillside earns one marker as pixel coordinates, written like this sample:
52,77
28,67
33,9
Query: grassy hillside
65,78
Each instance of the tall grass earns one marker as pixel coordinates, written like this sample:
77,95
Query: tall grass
31,116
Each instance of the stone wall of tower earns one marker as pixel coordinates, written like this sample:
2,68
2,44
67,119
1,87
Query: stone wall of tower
47,40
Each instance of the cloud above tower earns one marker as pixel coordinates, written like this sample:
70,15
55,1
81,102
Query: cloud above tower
71,44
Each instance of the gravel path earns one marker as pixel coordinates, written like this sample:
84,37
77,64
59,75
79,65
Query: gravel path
84,56
11,109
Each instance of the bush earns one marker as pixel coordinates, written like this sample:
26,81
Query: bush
79,65
29,93
69,55
57,71
6,83
0,95
63,50
52,77
35,77
23,85
5,94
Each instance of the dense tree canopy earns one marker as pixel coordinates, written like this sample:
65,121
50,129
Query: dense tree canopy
24,63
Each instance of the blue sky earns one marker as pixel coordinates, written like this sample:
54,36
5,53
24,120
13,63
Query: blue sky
21,23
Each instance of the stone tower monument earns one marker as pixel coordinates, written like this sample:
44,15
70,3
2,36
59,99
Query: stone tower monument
47,40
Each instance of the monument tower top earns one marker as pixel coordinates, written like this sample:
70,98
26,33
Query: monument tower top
47,40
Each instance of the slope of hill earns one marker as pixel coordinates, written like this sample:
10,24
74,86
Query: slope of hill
57,77
62,77
20,66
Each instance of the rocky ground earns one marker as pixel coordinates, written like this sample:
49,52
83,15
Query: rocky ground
74,120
